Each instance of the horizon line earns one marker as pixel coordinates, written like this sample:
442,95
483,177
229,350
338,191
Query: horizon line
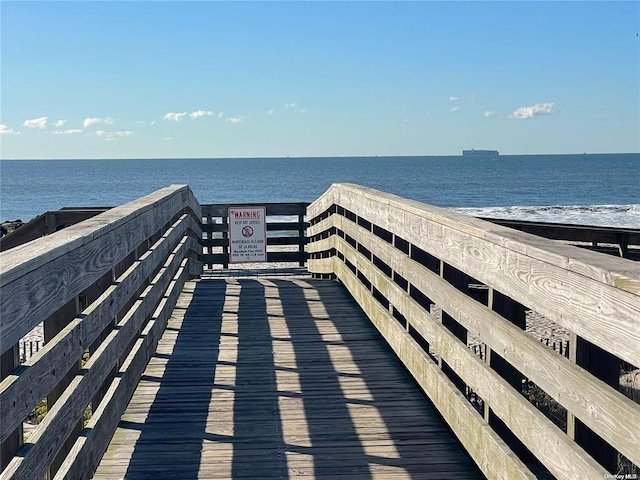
312,157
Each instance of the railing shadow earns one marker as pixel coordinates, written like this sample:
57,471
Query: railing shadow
365,415
215,414
332,443
258,449
171,434
275,378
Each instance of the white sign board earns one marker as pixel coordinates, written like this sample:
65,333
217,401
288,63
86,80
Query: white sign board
247,234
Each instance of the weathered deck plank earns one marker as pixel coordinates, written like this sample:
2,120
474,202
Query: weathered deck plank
278,377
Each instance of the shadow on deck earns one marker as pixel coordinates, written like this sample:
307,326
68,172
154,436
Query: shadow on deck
278,377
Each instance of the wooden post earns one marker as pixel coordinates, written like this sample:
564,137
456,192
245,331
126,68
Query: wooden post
210,221
516,313
52,326
459,280
226,249
50,222
623,247
9,361
605,366
301,234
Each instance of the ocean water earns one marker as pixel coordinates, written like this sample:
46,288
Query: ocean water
594,189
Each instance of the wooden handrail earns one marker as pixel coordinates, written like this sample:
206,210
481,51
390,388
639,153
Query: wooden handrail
593,236
397,257
96,285
47,223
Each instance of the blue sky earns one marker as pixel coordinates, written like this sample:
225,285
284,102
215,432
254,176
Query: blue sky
266,79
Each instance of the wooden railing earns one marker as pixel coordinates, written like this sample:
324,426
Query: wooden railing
622,242
215,225
103,287
398,258
47,223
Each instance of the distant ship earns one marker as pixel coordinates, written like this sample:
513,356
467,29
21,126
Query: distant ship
480,153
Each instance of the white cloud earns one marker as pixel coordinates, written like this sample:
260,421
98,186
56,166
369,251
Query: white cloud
153,122
4,130
36,122
176,117
60,123
271,112
220,114
234,119
455,109
533,111
67,132
454,99
489,114
201,113
168,138
294,106
112,135
97,121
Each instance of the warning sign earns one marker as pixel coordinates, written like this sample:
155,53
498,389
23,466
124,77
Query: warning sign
247,234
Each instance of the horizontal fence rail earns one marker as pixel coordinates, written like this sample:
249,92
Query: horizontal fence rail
104,289
47,223
622,242
399,258
286,226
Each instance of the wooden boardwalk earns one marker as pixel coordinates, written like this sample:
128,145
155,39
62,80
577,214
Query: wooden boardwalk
273,376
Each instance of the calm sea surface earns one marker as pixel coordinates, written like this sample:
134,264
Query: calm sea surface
589,189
